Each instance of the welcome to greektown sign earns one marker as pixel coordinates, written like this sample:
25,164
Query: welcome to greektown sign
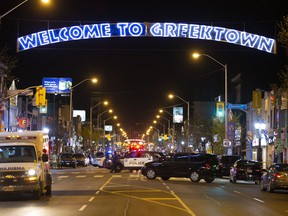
137,29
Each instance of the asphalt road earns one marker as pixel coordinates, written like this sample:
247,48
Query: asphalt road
94,191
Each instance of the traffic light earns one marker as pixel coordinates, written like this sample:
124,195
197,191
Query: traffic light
40,97
220,109
256,99
43,108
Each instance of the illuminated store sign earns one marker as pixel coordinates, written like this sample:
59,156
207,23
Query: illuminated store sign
135,29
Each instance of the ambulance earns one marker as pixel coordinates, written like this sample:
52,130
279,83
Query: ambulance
23,165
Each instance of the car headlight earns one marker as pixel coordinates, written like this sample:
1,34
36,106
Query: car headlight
31,172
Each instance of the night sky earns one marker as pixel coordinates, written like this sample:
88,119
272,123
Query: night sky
136,74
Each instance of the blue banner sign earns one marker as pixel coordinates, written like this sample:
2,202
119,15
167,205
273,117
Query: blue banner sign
237,106
145,29
57,85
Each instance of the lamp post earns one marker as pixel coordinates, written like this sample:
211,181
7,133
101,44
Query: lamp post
115,117
197,55
158,133
259,127
21,3
94,80
155,122
171,96
91,118
158,116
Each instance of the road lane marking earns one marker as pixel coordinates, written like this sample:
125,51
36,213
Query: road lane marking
237,192
98,176
83,207
97,192
60,177
258,200
81,176
91,199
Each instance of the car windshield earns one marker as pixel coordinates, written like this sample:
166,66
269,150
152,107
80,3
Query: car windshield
282,167
67,156
12,154
252,164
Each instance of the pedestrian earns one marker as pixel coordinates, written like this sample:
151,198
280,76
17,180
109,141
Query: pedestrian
114,162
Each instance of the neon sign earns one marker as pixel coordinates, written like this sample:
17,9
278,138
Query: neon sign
135,29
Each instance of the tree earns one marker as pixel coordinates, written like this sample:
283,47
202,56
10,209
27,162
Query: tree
283,32
8,60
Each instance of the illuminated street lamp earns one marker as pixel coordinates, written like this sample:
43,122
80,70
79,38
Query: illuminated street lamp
158,116
171,96
259,127
98,116
1,16
197,55
91,117
114,117
155,122
94,80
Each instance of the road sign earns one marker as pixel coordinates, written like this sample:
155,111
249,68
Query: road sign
237,106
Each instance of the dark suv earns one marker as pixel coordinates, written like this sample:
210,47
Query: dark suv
188,165
246,170
226,162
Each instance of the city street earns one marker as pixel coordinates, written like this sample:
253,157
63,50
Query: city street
96,191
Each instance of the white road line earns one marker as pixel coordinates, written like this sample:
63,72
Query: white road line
97,192
83,207
91,199
117,176
237,192
98,176
60,177
258,200
81,176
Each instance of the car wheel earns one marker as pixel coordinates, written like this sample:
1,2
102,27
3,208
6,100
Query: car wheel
165,177
262,188
118,167
151,174
194,176
209,180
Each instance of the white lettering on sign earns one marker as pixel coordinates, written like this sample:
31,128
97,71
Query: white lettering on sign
136,29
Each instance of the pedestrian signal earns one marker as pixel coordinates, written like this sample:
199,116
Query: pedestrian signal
220,109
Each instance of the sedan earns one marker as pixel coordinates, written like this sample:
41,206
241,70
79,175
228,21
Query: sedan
275,177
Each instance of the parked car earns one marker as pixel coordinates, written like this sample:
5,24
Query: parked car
98,159
188,165
274,178
68,160
82,159
246,170
226,162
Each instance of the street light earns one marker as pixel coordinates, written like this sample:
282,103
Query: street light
94,80
197,55
114,117
1,16
155,122
259,127
98,116
171,96
91,117
158,116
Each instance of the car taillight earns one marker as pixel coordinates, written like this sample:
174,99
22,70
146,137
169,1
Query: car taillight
276,175
207,166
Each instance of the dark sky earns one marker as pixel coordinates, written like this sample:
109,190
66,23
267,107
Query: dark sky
136,74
